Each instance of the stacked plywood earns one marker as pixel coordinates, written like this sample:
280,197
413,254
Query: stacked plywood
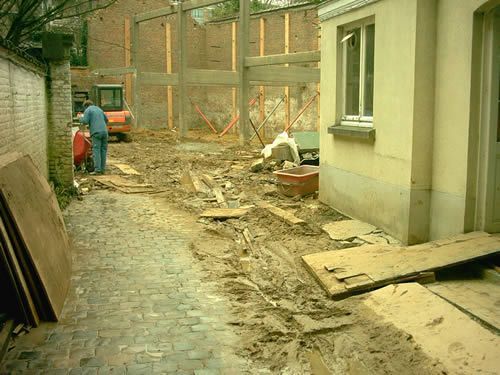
34,247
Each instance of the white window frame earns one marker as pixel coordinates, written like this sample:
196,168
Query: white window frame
359,120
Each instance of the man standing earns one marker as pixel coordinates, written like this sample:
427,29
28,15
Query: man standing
97,120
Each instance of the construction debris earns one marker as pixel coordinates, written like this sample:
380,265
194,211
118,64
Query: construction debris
344,230
124,185
126,169
257,165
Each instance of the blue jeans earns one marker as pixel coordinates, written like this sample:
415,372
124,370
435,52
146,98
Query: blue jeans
99,150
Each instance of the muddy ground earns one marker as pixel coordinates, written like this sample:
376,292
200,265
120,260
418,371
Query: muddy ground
285,320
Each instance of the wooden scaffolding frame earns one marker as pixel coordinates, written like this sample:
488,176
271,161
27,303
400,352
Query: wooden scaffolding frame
250,71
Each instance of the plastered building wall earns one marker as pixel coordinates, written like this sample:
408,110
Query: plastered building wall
418,179
23,109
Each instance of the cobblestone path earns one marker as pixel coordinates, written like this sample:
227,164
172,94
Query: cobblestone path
137,304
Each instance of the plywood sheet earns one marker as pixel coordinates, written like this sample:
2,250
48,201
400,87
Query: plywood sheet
126,169
443,332
342,272
14,273
480,298
34,209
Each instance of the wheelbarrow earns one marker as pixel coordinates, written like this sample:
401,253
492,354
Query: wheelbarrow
82,150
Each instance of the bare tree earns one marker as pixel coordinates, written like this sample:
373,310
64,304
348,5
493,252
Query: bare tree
19,19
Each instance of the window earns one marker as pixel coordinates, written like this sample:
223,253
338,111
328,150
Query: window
358,45
111,99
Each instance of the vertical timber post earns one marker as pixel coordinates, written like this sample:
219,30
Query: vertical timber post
318,99
234,55
262,89
128,77
287,88
137,76
243,71
168,49
182,58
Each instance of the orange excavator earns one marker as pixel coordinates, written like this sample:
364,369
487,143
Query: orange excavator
110,98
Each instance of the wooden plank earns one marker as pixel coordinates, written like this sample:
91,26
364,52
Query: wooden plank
440,330
5,334
283,58
195,4
220,197
159,79
287,88
157,13
285,215
212,77
224,213
35,211
114,71
283,74
479,298
14,273
135,30
124,185
182,47
170,91
125,168
262,89
385,264
244,87
233,67
128,61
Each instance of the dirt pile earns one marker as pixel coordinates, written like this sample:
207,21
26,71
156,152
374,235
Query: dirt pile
285,319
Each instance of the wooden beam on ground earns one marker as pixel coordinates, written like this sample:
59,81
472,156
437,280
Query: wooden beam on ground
196,4
287,88
157,13
159,79
243,71
233,66
211,77
224,213
282,214
114,71
182,63
128,61
284,74
262,89
170,94
284,58
137,76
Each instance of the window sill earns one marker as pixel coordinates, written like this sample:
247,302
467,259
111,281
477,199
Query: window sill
360,132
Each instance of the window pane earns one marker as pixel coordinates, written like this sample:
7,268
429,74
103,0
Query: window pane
369,69
111,99
353,58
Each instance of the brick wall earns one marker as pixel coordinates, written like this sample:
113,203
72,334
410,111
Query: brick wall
23,110
209,48
59,124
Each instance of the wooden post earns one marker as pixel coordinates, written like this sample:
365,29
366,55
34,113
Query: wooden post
243,72
137,77
128,77
262,89
170,96
182,58
233,67
318,102
287,88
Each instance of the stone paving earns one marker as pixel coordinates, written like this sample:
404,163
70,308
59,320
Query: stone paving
138,303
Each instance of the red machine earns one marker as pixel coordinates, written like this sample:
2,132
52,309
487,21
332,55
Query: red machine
82,150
